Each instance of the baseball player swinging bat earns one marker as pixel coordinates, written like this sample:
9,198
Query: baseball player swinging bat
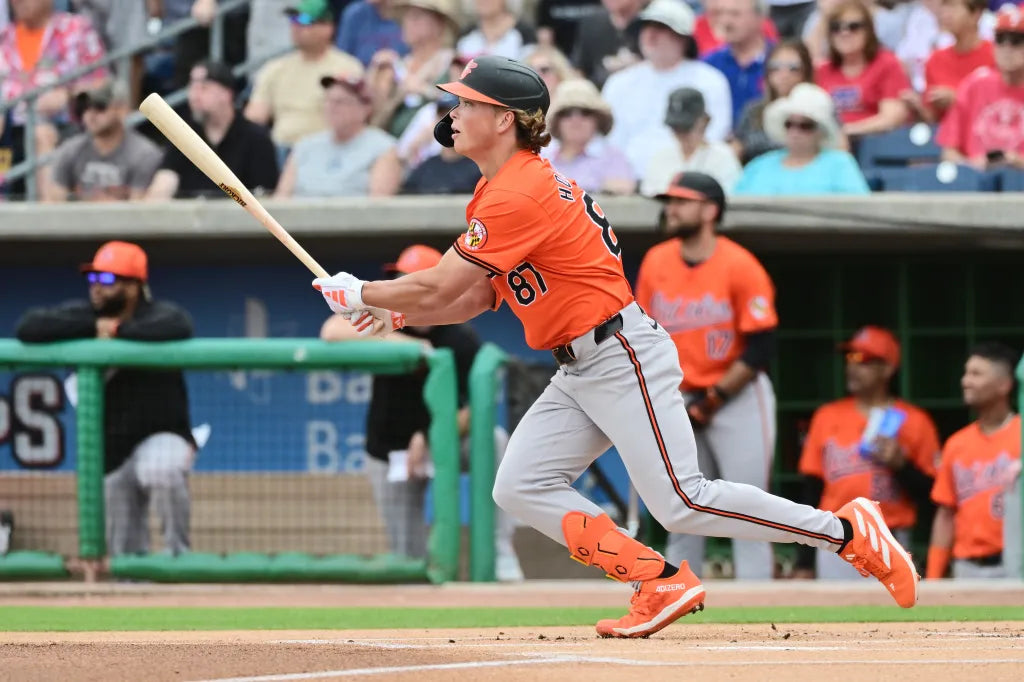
188,142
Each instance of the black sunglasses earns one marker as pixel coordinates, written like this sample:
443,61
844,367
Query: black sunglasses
1009,38
806,126
105,278
845,26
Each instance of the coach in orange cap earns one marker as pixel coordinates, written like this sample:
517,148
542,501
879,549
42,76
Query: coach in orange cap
868,443
148,441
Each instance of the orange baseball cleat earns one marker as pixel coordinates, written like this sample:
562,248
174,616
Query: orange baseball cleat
656,604
874,551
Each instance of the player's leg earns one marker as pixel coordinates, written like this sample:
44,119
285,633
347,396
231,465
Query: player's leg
689,547
400,504
629,386
1013,533
126,505
552,446
742,437
507,568
163,461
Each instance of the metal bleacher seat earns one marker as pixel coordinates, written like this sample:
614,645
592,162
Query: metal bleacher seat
943,177
1010,179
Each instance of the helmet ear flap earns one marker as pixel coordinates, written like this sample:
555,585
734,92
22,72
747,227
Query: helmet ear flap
443,130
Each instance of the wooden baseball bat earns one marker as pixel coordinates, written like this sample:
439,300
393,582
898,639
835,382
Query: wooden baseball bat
188,142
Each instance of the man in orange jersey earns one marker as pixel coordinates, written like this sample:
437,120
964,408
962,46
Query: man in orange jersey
845,456
718,304
979,463
536,241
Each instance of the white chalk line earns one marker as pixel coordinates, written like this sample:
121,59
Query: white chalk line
594,660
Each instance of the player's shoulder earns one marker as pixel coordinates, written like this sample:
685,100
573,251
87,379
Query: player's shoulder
914,413
836,411
962,441
738,255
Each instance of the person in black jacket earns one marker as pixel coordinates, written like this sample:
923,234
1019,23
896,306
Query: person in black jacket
149,447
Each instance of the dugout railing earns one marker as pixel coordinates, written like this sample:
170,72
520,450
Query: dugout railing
90,360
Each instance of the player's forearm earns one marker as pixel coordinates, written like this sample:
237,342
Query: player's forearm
736,377
463,309
418,294
942,528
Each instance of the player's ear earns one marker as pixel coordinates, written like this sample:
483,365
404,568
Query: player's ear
506,119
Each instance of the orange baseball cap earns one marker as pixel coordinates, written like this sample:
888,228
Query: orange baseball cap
124,259
875,343
415,258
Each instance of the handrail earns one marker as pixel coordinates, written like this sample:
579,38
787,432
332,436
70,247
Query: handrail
27,167
177,28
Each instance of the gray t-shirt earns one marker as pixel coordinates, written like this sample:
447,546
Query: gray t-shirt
90,176
326,168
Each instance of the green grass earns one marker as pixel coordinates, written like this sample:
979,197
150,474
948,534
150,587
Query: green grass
87,618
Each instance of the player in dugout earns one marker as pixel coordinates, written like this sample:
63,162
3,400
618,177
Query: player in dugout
980,464
537,242
397,424
149,447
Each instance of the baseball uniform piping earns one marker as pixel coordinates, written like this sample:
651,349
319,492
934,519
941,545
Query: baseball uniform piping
476,261
668,463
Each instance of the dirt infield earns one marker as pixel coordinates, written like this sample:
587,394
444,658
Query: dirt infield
834,652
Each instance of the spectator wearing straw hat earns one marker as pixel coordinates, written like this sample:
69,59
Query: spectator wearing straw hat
809,163
688,120
400,86
579,119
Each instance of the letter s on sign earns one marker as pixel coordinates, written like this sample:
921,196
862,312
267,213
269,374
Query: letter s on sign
36,400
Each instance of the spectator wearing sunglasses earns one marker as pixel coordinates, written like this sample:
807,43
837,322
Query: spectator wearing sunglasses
985,126
107,162
550,64
809,163
846,454
787,64
148,443
866,81
287,90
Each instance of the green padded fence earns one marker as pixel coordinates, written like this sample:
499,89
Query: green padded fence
483,392
91,357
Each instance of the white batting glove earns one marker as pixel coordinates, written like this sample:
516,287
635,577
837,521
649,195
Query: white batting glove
343,292
375,321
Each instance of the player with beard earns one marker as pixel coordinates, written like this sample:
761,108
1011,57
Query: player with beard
717,302
149,448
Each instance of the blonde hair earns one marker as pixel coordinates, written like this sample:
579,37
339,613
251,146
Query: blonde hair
531,130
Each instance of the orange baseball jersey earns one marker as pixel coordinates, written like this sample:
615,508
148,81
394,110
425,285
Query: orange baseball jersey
972,479
708,307
549,248
831,454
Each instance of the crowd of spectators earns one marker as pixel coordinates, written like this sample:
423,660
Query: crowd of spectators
770,97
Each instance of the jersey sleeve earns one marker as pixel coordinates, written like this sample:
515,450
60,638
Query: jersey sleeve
944,492
810,462
503,229
753,298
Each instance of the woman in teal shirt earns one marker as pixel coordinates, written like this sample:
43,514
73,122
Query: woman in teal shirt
808,164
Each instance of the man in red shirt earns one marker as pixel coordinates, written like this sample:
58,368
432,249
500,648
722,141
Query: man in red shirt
985,126
946,68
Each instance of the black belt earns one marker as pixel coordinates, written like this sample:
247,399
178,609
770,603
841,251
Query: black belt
564,355
990,560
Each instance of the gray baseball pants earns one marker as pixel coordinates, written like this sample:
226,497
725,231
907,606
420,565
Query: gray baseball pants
156,472
625,391
738,445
